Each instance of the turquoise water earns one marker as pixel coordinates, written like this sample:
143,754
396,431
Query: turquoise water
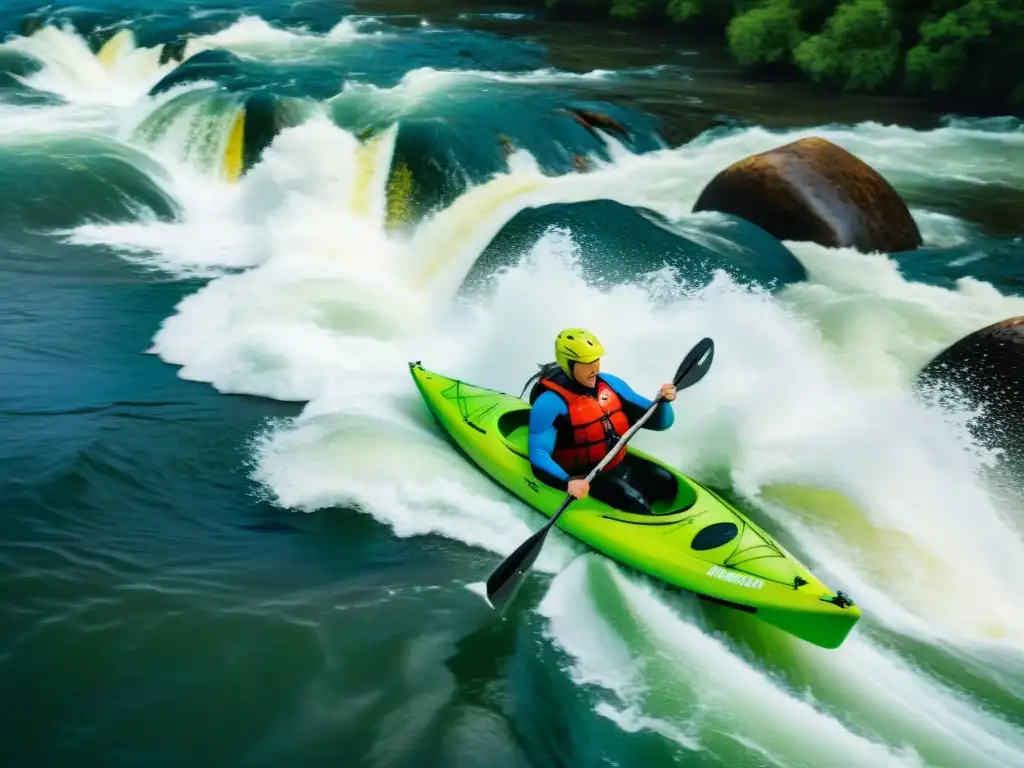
232,534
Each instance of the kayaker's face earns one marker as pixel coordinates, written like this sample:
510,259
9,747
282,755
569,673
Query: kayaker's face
586,373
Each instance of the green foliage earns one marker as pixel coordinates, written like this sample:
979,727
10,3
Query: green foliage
638,9
708,17
972,52
967,51
911,14
684,10
766,34
813,13
859,48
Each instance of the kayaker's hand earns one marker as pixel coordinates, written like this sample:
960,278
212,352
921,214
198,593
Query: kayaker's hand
579,488
668,392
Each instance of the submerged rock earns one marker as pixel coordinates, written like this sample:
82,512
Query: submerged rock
174,50
618,243
451,145
814,190
594,121
215,64
30,24
266,115
61,182
251,121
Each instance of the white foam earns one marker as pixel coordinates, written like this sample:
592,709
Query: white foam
423,88
333,308
71,70
122,74
253,37
884,327
665,674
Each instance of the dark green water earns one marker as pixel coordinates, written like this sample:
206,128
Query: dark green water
232,535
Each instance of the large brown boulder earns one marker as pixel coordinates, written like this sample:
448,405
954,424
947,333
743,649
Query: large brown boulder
814,190
988,367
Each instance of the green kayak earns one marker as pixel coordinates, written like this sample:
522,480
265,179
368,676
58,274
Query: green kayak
697,542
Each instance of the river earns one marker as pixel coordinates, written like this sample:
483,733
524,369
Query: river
231,532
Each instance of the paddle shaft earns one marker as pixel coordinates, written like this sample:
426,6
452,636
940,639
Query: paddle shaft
610,455
505,579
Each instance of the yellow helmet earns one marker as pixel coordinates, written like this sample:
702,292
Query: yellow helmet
578,346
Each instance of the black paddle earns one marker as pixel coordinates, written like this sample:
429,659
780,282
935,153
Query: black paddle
506,578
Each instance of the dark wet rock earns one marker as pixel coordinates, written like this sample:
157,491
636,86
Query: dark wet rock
438,166
256,119
94,25
507,146
30,24
216,65
468,143
594,121
233,73
617,243
813,190
174,50
266,115
174,38
987,367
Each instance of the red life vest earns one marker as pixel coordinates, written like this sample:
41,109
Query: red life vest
595,424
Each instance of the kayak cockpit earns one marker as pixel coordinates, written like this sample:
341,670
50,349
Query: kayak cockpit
514,428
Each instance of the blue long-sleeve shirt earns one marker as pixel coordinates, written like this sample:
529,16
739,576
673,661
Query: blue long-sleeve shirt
549,406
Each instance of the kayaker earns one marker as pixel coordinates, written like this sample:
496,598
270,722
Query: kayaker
577,415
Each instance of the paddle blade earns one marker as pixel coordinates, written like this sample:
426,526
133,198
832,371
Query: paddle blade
695,365
504,582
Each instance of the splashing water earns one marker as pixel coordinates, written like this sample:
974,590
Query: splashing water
118,74
334,308
661,671
808,391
